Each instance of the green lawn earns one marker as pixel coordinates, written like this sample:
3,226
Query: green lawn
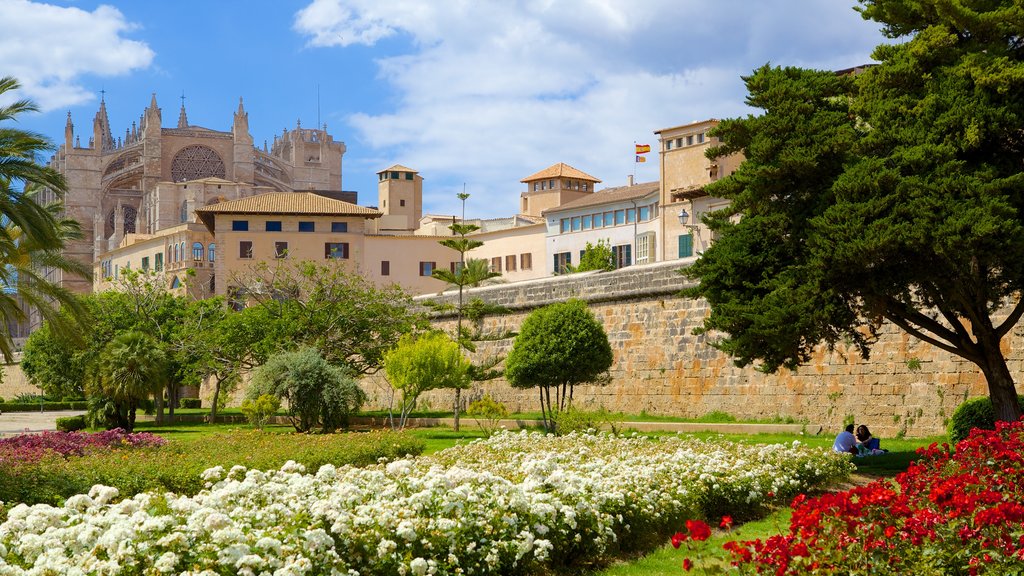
708,556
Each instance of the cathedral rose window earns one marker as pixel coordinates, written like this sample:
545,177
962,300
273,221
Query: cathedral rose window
195,162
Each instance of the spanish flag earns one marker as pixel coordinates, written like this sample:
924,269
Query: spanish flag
643,148
641,159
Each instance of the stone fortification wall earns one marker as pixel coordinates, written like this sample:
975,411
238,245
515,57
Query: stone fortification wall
660,367
15,383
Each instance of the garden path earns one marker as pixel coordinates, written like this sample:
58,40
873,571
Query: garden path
22,422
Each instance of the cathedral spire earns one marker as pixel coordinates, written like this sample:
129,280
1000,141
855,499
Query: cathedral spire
69,131
152,116
101,126
182,118
240,126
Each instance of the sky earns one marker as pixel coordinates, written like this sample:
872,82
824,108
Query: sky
470,93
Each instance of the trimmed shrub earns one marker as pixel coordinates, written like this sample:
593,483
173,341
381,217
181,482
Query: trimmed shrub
191,403
973,413
575,420
259,411
71,424
487,412
319,394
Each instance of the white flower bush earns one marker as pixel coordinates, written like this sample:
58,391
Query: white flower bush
510,504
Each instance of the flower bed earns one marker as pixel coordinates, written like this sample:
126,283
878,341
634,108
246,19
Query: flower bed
27,448
177,466
950,513
512,504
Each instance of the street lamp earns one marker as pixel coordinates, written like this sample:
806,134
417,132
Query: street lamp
684,216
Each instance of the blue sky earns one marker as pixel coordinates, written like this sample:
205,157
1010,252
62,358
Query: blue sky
475,92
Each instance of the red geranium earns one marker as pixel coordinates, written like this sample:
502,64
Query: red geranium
699,531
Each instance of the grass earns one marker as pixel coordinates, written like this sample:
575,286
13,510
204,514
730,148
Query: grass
707,556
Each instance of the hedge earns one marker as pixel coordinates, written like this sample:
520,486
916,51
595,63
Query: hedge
974,413
190,403
71,423
48,406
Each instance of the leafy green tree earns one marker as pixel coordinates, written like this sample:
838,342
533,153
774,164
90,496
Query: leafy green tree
54,364
595,257
325,306
429,361
319,394
559,346
893,195
33,232
134,367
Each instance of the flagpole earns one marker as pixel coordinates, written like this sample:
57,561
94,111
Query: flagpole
634,160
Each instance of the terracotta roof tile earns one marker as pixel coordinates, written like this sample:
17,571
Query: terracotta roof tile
560,170
608,195
397,168
295,203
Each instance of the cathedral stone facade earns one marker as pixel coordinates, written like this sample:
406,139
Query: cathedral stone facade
129,188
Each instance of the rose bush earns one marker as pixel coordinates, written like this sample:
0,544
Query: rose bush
951,512
511,504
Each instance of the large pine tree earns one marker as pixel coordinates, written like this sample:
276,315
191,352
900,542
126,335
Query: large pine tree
897,195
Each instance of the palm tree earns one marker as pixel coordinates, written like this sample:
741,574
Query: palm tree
134,367
33,233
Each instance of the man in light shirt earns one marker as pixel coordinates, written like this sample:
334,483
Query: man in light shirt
845,442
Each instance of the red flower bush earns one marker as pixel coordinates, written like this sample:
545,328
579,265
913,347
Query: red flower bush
956,512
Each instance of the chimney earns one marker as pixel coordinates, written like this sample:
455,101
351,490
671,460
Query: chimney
629,179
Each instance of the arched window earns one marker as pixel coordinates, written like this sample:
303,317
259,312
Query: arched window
197,250
175,283
183,253
213,252
184,211
169,254
175,252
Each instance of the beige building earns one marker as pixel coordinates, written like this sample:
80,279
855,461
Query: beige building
282,226
554,186
685,170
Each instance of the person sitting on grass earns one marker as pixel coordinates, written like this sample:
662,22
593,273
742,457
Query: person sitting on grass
845,442
867,444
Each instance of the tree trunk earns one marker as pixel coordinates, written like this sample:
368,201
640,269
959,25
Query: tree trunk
212,417
458,404
550,429
159,408
543,414
131,418
1001,389
172,399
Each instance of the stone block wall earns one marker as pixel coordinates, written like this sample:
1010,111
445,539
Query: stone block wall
660,367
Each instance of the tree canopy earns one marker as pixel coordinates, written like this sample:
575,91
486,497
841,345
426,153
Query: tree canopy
559,345
425,362
893,195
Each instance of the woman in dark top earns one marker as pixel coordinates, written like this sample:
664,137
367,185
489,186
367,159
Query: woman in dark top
866,440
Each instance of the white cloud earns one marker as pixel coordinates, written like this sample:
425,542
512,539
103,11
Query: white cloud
48,48
490,92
